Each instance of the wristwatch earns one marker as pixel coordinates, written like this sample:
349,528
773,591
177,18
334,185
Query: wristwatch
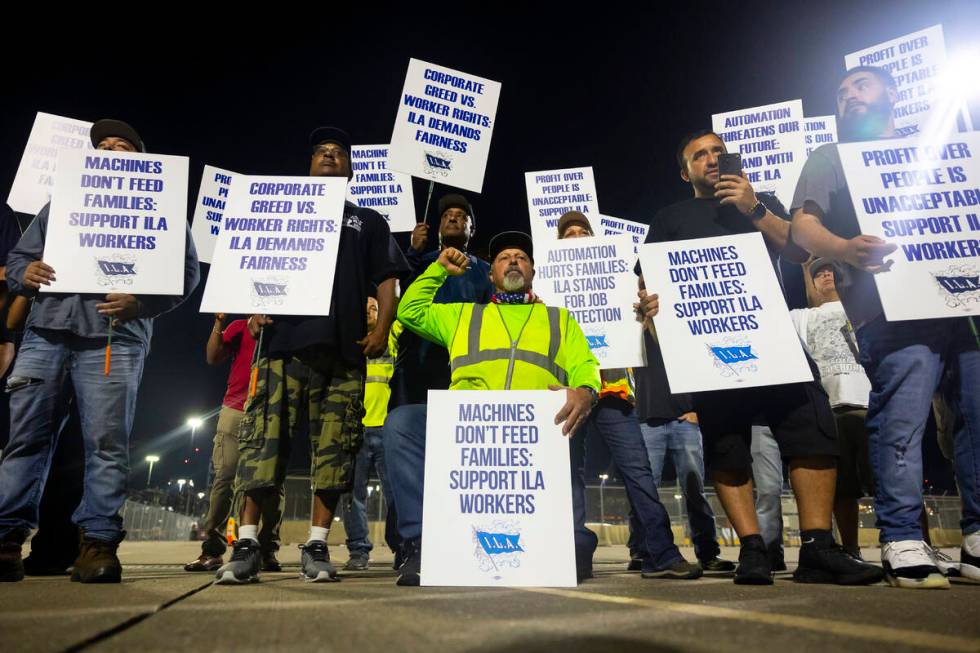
758,211
595,395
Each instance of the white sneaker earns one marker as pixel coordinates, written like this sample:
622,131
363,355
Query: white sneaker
949,567
970,564
910,564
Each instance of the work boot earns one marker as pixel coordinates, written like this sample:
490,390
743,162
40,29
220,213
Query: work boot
270,562
97,562
409,575
204,562
11,564
36,564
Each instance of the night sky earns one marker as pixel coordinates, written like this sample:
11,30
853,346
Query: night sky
614,91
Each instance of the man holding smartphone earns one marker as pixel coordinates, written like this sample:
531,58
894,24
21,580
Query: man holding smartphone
799,414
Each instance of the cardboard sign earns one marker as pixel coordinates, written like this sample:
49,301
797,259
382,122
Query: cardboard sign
610,226
118,223
497,510
376,187
723,322
35,175
552,193
444,124
277,249
820,130
593,278
916,62
925,199
772,144
211,200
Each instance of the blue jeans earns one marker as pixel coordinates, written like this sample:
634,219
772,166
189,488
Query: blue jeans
615,422
356,518
767,474
47,362
404,442
683,440
907,362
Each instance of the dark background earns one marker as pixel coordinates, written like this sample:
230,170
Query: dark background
605,88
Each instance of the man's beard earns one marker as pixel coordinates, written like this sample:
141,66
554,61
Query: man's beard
513,282
865,126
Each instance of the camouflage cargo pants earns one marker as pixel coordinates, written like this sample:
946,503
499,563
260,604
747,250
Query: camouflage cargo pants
318,393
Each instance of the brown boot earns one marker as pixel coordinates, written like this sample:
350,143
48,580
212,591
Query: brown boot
11,564
97,562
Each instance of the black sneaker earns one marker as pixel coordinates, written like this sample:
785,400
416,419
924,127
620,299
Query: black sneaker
753,565
635,564
680,569
358,561
409,572
315,565
11,564
399,560
243,567
832,564
969,567
777,561
717,565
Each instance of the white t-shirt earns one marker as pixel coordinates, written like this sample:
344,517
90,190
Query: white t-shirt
830,341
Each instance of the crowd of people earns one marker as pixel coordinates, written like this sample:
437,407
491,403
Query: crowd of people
355,383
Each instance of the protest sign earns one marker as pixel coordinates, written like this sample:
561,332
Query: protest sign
35,175
723,321
924,198
916,62
211,200
497,509
277,249
376,187
444,124
819,130
593,278
610,226
117,223
552,193
771,141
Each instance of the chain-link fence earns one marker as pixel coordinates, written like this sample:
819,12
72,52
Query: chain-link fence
145,522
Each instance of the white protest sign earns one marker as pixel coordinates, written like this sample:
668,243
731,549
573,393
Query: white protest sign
771,141
820,130
443,127
593,278
723,321
118,223
498,499
35,175
376,187
924,199
916,62
610,226
211,200
277,249
551,193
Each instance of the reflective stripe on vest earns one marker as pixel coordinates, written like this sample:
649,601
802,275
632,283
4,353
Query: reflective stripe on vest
545,362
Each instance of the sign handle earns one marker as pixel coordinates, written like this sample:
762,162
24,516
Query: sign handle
428,199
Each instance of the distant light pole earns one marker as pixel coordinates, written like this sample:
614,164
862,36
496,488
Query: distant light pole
149,473
602,498
194,422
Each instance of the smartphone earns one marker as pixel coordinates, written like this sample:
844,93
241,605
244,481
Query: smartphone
730,164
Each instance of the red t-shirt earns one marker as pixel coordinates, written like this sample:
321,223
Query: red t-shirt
242,345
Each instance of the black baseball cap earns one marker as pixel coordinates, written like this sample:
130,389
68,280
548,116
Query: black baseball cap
511,240
108,127
454,200
330,135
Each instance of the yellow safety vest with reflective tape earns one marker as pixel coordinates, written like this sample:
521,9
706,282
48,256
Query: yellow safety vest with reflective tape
549,349
377,392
